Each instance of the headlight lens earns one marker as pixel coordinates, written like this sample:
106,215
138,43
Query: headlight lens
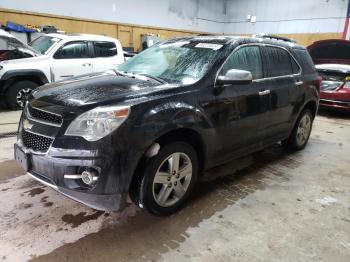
98,122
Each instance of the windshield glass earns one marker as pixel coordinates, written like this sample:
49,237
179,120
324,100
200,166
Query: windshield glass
181,61
43,43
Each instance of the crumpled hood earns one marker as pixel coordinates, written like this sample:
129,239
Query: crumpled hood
94,89
25,61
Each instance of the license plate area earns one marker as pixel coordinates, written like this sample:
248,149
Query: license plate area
22,158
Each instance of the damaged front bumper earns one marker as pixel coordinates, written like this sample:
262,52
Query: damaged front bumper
108,203
51,171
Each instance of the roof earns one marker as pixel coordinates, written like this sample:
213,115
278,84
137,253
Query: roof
224,39
88,37
334,67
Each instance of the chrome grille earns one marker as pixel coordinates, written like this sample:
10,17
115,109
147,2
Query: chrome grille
37,114
36,142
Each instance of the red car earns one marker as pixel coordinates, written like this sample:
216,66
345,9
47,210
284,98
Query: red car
335,86
332,60
330,51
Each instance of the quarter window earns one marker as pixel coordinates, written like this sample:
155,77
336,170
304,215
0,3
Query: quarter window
280,62
73,50
246,58
105,49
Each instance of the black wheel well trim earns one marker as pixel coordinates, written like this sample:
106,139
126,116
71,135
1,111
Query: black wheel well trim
312,105
187,135
31,74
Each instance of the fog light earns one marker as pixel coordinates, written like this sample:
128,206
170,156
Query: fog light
89,177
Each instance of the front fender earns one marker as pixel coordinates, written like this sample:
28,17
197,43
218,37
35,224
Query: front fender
160,119
25,72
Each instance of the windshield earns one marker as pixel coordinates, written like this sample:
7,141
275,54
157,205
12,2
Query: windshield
43,43
181,61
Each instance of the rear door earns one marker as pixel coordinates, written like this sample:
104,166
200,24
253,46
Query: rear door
282,76
106,56
239,108
72,59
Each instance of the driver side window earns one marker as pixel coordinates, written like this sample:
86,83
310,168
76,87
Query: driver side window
73,50
245,58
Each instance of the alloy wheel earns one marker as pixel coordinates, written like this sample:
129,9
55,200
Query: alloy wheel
304,129
172,179
21,96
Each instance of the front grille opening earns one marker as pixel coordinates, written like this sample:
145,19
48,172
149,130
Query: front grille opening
36,142
44,116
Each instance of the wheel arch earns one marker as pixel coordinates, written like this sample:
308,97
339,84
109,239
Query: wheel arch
312,106
187,135
13,76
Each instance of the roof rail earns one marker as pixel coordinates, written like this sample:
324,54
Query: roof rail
275,37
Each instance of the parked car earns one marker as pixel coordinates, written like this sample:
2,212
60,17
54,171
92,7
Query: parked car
150,128
12,48
330,51
335,87
57,57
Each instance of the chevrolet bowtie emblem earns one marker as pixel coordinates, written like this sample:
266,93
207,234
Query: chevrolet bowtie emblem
27,125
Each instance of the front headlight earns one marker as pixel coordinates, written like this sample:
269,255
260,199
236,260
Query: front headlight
98,122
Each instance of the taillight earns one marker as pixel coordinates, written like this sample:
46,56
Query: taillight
318,83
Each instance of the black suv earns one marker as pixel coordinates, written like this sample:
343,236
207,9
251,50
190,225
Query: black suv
152,126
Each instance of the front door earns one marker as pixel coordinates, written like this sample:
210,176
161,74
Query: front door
72,59
240,108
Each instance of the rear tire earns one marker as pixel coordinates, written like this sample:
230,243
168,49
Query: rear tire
168,179
301,132
16,93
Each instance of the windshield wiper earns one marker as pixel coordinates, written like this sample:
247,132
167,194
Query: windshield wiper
130,74
158,79
120,73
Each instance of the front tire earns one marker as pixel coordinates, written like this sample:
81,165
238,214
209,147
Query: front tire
301,132
17,92
168,180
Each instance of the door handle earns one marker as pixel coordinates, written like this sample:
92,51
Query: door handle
263,93
67,76
86,64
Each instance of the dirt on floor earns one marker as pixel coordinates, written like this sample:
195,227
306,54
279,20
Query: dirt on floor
270,206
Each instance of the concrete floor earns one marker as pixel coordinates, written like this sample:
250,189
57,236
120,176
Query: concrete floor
275,207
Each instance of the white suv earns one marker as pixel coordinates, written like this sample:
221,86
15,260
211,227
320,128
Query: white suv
57,57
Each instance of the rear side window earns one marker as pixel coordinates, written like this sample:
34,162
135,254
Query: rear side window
73,50
105,49
305,61
246,58
280,62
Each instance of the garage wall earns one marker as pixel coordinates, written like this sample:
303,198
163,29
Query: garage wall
304,20
195,15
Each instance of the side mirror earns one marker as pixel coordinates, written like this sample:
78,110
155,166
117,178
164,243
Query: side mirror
235,77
